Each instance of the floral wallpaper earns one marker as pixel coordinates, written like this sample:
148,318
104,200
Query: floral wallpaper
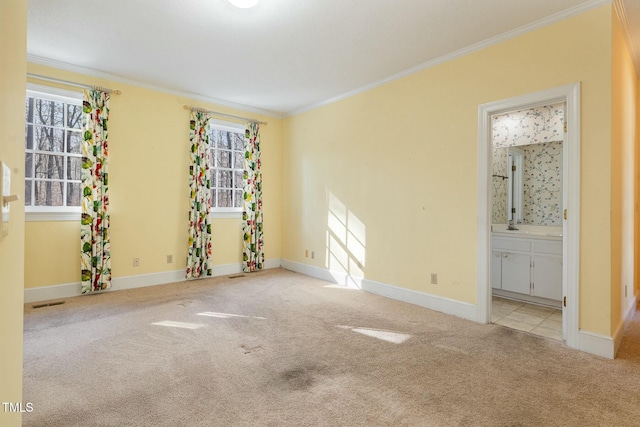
533,126
542,184
499,186
539,133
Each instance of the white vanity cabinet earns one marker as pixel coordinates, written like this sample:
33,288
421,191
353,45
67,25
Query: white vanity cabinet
546,271
527,266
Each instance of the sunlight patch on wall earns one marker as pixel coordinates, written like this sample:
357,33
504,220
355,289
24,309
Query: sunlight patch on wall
345,240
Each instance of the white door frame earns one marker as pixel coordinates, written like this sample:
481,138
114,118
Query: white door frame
570,94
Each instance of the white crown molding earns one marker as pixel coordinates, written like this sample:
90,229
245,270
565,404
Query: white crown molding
618,5
568,13
552,19
40,60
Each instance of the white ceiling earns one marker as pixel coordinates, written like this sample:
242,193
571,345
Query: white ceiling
283,56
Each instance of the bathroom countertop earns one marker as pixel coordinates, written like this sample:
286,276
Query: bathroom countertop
532,231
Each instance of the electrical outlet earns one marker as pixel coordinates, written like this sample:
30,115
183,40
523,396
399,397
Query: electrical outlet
434,278
306,253
169,259
313,255
136,262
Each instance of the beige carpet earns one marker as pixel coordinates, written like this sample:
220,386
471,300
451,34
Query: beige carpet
281,349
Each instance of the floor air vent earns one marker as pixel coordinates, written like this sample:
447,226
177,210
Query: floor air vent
48,304
235,276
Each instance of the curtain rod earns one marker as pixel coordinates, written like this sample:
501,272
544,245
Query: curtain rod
68,83
231,116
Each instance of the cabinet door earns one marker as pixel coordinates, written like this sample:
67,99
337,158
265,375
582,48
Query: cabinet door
516,272
547,276
496,269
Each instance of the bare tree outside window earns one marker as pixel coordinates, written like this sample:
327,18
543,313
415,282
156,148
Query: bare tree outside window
53,151
227,173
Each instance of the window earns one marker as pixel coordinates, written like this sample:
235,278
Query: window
227,172
53,153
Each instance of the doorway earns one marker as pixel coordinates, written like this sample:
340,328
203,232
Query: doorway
569,96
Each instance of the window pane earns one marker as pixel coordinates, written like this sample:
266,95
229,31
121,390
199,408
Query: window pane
48,193
74,116
214,137
214,177
238,179
48,166
224,140
74,168
238,141
225,179
73,194
74,142
214,203
49,113
214,158
224,158
224,199
237,201
28,165
27,193
28,137
29,110
238,160
48,139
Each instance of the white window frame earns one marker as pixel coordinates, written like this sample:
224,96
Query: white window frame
229,127
52,213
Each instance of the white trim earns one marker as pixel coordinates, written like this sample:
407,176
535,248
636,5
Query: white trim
34,59
432,302
600,345
68,290
571,192
56,92
45,293
36,216
557,17
215,214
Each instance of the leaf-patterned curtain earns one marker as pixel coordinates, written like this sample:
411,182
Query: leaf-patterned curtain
253,244
95,259
199,260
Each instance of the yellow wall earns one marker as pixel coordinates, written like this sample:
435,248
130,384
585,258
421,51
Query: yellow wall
623,141
148,171
13,45
399,164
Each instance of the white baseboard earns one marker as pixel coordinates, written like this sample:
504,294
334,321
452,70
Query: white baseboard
69,290
422,299
628,317
600,345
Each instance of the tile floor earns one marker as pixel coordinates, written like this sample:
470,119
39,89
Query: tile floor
535,319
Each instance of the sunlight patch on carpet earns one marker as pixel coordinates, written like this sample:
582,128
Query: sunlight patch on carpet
228,315
183,325
388,336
